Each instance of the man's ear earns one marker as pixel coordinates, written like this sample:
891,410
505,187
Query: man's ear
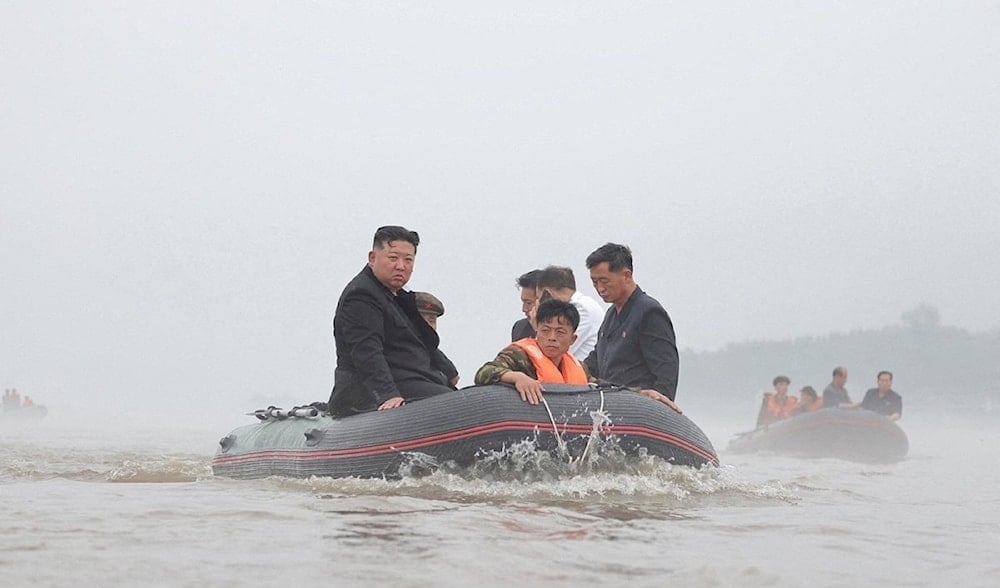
371,257
575,336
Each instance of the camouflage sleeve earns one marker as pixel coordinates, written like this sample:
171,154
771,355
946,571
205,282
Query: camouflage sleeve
510,359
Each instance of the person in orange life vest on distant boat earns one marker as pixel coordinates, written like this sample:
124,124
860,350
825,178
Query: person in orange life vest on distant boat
530,363
808,401
777,405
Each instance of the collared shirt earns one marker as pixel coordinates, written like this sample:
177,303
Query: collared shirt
835,396
591,315
891,403
636,347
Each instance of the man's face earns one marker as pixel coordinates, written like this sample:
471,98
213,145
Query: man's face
610,286
884,382
781,388
528,299
393,263
841,379
555,336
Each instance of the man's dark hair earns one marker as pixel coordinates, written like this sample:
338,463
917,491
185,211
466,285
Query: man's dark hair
557,278
886,372
780,379
529,279
553,308
384,235
838,371
808,391
617,256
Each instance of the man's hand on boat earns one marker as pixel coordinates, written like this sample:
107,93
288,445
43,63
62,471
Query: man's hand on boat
529,388
659,397
394,402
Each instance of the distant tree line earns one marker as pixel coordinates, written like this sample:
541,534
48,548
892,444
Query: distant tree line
931,362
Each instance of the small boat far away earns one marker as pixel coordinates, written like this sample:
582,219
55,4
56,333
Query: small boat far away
851,434
23,414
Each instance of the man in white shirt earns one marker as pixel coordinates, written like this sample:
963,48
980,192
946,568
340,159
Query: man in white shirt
559,283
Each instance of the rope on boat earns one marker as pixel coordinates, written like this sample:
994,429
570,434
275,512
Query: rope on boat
561,443
590,440
555,429
280,414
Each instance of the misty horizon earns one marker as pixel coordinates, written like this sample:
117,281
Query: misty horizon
186,192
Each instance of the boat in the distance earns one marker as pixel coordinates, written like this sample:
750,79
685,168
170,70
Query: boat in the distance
23,414
458,428
850,434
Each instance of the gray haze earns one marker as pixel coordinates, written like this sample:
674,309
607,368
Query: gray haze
185,188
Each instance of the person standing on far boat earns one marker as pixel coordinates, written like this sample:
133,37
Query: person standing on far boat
883,399
777,405
835,394
386,353
636,346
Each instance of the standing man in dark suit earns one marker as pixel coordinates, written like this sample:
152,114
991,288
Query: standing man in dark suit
386,353
636,346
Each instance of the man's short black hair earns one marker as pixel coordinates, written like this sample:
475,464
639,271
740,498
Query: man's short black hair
529,279
556,277
389,233
553,308
886,372
618,257
808,391
780,379
839,371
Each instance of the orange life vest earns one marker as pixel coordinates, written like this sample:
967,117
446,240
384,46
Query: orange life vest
780,411
570,370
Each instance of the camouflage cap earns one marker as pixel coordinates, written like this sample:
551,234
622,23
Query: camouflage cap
428,303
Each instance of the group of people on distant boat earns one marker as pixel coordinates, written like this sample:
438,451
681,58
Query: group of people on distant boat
388,348
13,401
779,405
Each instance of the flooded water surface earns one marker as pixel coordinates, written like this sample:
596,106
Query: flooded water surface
88,507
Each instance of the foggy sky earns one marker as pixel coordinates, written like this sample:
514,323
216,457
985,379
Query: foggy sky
186,188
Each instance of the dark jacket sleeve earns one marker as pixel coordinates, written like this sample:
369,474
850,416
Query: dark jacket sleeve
659,350
591,363
360,320
441,363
